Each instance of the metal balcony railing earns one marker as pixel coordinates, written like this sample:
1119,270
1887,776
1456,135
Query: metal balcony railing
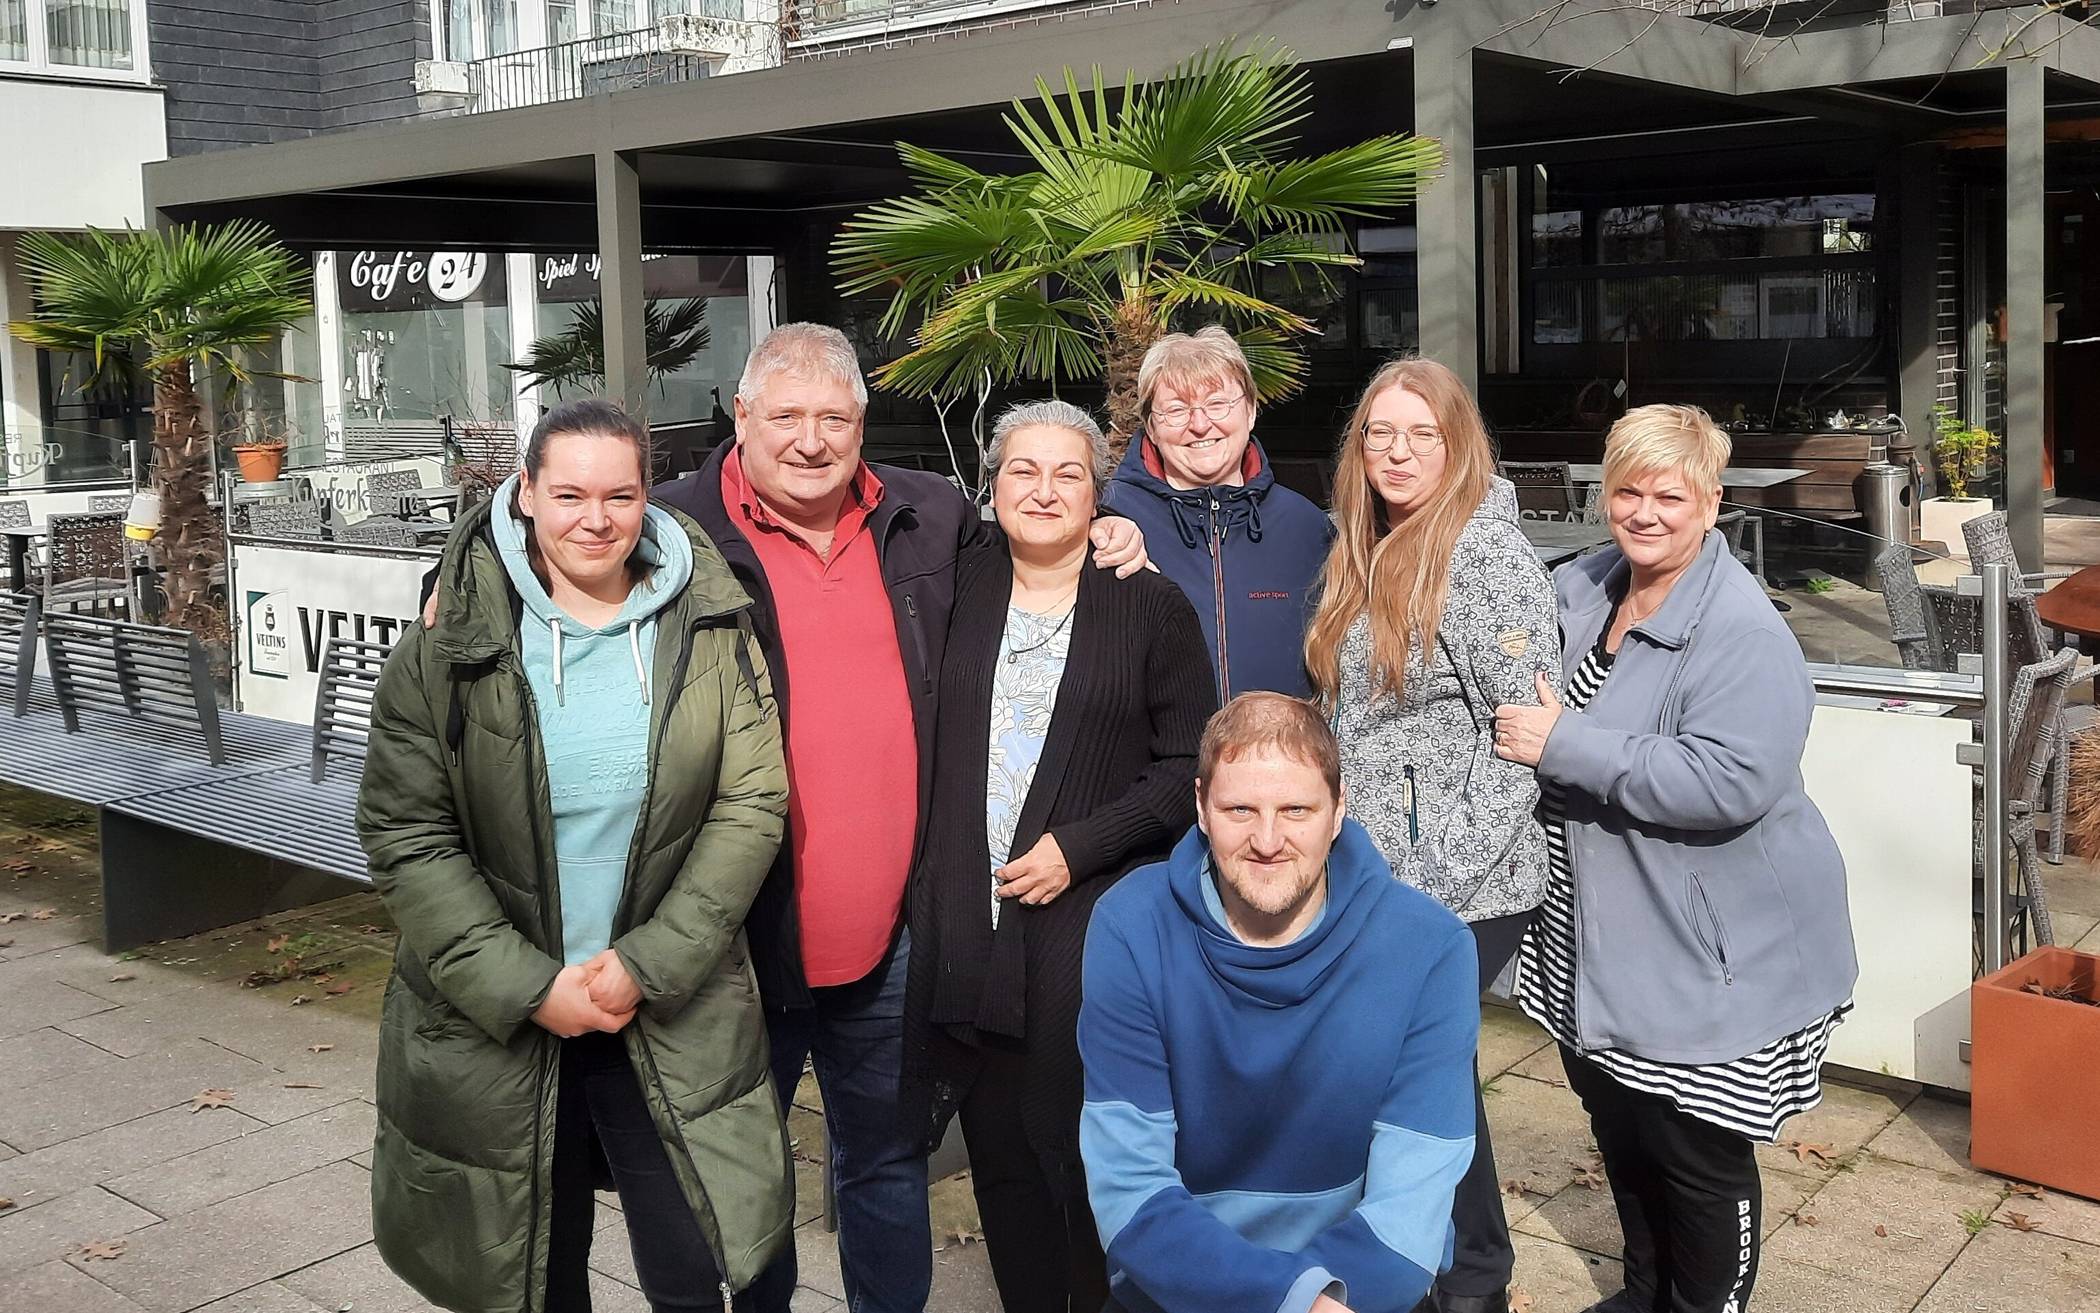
823,27
681,48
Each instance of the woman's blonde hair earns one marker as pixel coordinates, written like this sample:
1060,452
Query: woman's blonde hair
1187,361
1652,439
1402,574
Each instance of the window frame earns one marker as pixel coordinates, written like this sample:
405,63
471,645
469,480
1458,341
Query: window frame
37,62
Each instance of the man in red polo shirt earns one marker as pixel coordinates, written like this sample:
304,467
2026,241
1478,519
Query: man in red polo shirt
851,567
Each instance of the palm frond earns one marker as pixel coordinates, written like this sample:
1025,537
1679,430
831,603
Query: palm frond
574,359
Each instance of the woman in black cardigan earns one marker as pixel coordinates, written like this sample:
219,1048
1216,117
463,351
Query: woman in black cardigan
1071,707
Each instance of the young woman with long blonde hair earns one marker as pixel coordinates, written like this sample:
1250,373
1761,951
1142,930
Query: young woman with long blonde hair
1433,611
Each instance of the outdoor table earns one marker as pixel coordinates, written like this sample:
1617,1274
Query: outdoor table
1733,476
2072,607
1559,540
18,540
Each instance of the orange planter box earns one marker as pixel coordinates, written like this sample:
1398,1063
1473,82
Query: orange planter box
2034,1110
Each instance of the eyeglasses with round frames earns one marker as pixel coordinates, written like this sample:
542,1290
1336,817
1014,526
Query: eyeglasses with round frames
1379,439
1177,415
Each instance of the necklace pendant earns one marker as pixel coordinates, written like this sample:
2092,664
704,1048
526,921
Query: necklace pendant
1013,658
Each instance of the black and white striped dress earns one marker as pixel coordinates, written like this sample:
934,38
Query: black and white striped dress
1752,1095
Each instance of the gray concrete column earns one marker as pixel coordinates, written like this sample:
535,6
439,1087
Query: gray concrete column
1447,260
1917,257
620,278
2026,237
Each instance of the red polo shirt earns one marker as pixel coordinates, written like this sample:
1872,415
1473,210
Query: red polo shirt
852,753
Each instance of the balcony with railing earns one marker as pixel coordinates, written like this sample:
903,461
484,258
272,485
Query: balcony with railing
677,48
824,27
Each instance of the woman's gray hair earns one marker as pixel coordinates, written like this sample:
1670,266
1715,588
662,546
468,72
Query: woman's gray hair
1050,414
814,350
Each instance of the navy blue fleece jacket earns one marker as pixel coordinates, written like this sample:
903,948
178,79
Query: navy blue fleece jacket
1246,556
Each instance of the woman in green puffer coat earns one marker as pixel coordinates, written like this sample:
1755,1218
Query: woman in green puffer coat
573,790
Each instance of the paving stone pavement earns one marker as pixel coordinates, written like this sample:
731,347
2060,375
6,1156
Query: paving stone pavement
262,1206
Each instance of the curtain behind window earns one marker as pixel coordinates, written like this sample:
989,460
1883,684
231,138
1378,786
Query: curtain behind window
14,29
89,33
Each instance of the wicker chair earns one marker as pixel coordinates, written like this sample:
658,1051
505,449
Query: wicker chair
1933,626
102,503
87,562
14,513
378,531
2034,771
285,517
384,493
1746,539
1545,491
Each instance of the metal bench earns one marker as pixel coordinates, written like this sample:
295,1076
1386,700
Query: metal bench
18,628
207,817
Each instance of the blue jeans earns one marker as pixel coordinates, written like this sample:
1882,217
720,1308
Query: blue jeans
856,1034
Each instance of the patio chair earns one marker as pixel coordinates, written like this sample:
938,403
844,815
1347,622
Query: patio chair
87,562
102,503
14,513
285,517
1933,626
2033,773
1746,539
384,489
378,531
1545,491
1989,541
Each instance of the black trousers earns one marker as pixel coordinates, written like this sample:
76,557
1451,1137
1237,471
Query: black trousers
1482,1259
1038,1229
601,1121
1691,1206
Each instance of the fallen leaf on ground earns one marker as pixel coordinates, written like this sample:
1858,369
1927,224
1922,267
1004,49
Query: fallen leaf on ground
43,914
21,866
372,929
5,917
104,1249
1881,1232
1519,1300
7,943
1515,1188
319,1048
341,989
1587,1177
211,1099
122,975
6,1204
1822,1155
2019,1221
2030,1191
276,945
299,1000
1807,1219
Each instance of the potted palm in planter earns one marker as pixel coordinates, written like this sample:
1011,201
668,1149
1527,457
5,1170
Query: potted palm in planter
2034,1027
1963,452
169,305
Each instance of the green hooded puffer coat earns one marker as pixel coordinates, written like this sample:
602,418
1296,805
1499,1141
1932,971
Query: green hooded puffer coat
454,814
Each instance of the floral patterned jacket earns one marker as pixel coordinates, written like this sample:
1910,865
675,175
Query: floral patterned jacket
1455,820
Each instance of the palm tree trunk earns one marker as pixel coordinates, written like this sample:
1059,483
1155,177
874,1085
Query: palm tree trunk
189,543
1130,334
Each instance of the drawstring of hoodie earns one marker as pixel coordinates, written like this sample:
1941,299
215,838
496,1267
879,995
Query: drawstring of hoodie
1185,522
634,649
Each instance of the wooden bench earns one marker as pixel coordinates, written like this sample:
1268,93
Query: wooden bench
1836,463
207,817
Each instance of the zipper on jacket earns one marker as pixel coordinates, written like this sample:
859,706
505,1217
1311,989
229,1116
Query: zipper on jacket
711,1228
1713,922
550,929
1217,573
918,642
658,732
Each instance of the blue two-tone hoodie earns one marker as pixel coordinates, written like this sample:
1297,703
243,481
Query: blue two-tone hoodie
1265,1125
591,688
1246,556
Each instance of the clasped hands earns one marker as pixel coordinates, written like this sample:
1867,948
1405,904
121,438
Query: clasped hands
595,995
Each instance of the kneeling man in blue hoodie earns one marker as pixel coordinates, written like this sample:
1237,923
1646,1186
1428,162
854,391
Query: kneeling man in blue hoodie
1278,1039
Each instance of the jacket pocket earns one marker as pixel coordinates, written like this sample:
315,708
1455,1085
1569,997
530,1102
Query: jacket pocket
1706,923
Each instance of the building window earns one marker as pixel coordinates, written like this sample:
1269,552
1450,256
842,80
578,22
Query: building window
94,38
477,29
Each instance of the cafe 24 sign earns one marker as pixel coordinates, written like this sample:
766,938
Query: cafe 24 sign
371,281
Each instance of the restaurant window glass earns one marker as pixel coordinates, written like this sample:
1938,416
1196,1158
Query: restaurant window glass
88,33
1388,315
702,389
425,337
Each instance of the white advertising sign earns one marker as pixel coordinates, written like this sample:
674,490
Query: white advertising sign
292,600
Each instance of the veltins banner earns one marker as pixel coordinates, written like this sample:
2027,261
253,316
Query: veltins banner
294,600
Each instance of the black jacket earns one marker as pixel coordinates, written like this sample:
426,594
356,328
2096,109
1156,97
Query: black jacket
1116,785
920,526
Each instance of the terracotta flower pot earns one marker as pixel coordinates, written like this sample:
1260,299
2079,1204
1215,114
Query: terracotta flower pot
2035,1084
260,464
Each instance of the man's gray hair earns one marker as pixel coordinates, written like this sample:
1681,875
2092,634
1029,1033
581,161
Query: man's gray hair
1050,414
811,350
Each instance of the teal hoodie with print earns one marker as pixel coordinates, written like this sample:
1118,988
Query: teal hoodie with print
592,690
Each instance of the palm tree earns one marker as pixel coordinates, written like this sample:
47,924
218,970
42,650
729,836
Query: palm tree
673,336
1167,199
172,305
